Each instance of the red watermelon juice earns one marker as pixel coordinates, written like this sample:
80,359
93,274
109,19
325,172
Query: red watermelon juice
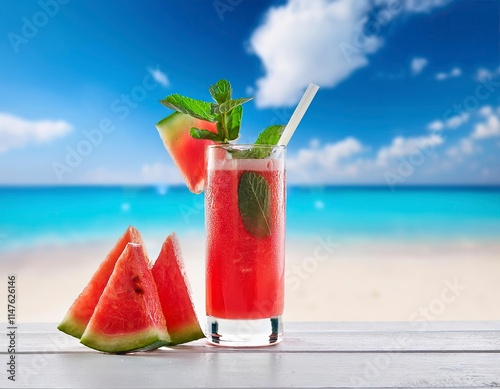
245,221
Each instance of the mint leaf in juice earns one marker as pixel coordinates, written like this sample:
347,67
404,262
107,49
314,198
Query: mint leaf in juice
254,202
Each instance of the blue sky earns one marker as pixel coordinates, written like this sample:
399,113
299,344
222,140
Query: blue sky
410,90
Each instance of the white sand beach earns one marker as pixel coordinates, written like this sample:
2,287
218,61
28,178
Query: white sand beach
352,282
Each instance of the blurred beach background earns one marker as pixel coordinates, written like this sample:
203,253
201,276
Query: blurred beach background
393,200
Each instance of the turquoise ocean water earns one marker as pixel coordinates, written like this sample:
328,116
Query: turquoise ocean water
31,216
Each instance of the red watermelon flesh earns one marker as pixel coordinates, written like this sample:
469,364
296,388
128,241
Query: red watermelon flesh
188,153
79,314
128,316
173,289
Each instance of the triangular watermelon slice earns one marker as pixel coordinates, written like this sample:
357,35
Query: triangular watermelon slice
79,314
188,153
128,316
174,292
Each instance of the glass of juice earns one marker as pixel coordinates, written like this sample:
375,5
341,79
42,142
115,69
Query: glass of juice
245,199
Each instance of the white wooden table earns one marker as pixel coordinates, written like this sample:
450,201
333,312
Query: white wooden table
418,354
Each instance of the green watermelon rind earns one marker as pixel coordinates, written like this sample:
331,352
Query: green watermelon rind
146,340
189,333
171,127
161,124
72,326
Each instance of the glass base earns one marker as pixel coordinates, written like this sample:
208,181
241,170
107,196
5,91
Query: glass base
244,332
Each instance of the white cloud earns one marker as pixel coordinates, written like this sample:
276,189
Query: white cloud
327,161
451,123
486,111
320,41
455,72
436,125
332,153
401,147
458,120
482,74
417,65
423,6
486,74
17,132
307,40
327,156
464,147
350,161
489,128
159,76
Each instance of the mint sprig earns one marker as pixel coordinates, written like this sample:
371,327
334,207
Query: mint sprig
226,112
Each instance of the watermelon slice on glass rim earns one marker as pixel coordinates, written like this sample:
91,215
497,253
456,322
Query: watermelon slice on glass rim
188,153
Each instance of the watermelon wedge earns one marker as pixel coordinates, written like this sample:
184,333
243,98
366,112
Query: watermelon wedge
128,316
174,292
188,153
79,314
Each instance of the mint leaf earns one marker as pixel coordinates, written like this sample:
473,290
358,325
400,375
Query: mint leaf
233,122
195,108
254,203
270,136
221,91
197,133
228,105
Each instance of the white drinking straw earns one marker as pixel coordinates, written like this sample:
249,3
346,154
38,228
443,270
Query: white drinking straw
298,114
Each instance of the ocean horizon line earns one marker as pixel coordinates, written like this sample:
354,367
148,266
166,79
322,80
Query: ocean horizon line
361,186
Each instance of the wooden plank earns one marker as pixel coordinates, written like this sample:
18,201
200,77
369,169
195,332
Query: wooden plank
167,368
50,340
460,354
457,341
337,326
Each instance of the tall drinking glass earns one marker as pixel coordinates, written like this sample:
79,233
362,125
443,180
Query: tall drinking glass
245,200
